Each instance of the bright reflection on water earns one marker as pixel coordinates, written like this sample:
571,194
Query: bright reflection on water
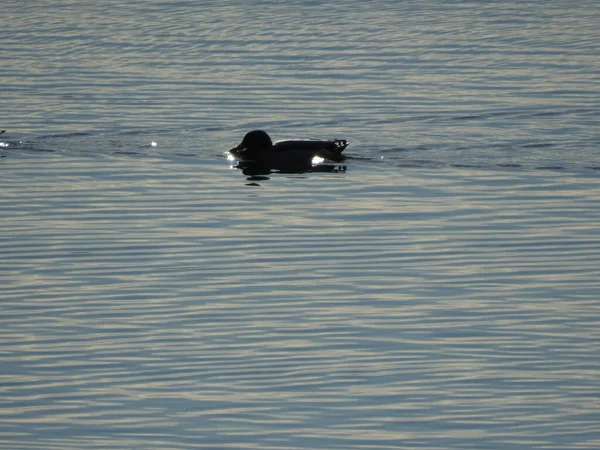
440,293
317,160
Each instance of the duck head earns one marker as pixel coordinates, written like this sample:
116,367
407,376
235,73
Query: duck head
254,142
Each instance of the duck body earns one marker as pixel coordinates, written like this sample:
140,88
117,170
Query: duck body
289,156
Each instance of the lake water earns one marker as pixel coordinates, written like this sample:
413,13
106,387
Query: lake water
443,292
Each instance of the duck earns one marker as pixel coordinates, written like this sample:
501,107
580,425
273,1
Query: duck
257,149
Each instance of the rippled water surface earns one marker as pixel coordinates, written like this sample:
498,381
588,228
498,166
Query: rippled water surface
439,291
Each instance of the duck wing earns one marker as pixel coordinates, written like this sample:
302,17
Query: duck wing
328,149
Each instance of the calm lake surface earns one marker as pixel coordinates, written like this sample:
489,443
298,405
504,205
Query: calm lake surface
441,292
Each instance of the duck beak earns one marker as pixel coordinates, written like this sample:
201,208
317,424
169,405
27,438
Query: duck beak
239,149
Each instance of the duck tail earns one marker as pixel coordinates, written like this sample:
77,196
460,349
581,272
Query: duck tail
340,145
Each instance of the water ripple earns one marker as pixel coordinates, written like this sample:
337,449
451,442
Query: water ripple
171,310
441,293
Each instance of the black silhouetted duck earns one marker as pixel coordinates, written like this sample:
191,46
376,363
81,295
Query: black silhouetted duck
258,150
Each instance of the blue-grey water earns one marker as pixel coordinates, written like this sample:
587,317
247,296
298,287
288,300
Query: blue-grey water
443,292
